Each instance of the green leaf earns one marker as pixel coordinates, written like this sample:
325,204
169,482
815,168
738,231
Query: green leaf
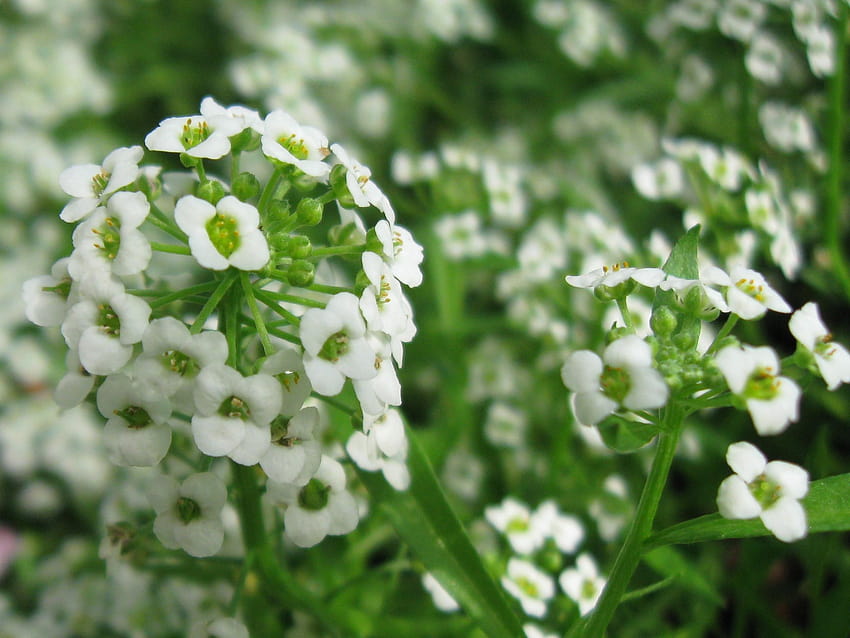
624,436
669,562
827,507
426,522
683,263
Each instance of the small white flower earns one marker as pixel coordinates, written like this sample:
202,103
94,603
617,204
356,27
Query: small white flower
103,326
223,235
832,359
660,180
532,587
442,599
233,119
110,238
90,185
514,520
765,58
382,302
583,583
771,491
234,412
382,446
75,385
401,252
505,425
747,293
383,390
533,631
295,453
136,433
820,51
787,128
739,19
567,531
624,376
772,401
219,628
335,345
611,276
508,203
461,235
47,297
288,142
360,185
194,135
188,516
709,298
320,508
287,366
726,167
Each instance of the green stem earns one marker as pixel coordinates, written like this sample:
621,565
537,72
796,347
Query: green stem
330,290
330,251
212,302
182,294
304,301
731,321
280,334
170,248
202,172
161,221
268,192
259,323
623,305
275,307
836,158
629,556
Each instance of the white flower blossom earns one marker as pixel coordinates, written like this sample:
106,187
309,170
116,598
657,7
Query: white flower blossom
382,446
188,516
90,185
514,520
583,583
611,276
401,252
832,359
747,293
771,491
48,297
566,530
772,401
663,179
358,179
196,135
295,452
624,376
287,366
532,587
288,142
223,235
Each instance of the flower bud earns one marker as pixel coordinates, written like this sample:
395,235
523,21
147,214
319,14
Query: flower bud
299,247
278,209
309,211
211,191
663,321
245,186
247,140
340,188
301,273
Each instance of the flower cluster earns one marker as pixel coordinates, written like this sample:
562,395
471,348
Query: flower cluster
195,314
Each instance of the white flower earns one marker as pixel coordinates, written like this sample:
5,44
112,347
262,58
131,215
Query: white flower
820,51
136,432
532,587
172,357
294,453
188,516
110,238
287,366
335,345
75,385
195,135
223,235
288,142
751,373
726,167
90,185
708,298
567,531
611,276
401,252
360,185
442,599
461,235
771,491
219,628
583,583
765,58
533,631
382,302
786,128
660,180
103,326
505,425
234,412
322,507
832,359
739,19
624,376
508,204
514,520
47,297
233,119
379,392
382,446
747,293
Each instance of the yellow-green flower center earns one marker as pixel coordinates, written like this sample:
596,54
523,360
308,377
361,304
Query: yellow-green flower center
527,587
765,491
182,364
236,408
99,183
224,234
110,237
615,383
314,496
135,416
188,510
294,145
194,134
108,320
751,288
762,385
335,347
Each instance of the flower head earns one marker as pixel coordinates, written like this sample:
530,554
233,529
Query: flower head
831,358
583,583
91,185
188,516
303,147
748,295
528,584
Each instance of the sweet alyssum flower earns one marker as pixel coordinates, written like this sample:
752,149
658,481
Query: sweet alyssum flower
748,295
382,446
188,516
90,185
566,530
223,235
752,374
514,520
47,297
624,376
612,276
358,179
197,136
583,583
287,142
532,587
771,491
831,358
295,453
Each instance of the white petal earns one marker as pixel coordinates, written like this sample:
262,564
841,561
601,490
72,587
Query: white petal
792,479
746,460
217,435
591,407
647,390
628,352
581,371
102,354
253,252
342,509
807,326
735,501
200,538
253,446
786,519
306,528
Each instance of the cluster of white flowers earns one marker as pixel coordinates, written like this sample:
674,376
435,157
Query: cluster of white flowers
155,358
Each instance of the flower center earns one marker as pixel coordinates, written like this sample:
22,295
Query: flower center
108,321
588,590
224,234
194,134
383,296
280,430
517,524
615,383
236,408
335,347
188,510
110,237
288,379
62,288
99,183
294,145
751,288
527,587
762,385
824,347
314,496
176,361
765,491
135,416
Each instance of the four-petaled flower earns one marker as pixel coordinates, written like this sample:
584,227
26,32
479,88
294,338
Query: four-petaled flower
831,358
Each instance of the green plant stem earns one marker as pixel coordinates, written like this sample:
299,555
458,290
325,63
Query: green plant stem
170,248
330,290
623,305
259,323
216,297
275,307
161,221
268,192
329,251
630,552
835,176
731,321
182,294
304,301
202,172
